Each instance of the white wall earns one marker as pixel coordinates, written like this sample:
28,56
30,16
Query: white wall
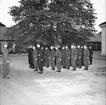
103,41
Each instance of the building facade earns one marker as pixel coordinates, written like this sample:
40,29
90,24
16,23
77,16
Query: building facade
3,31
103,38
95,42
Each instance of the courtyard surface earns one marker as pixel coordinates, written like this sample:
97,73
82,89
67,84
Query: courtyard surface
80,87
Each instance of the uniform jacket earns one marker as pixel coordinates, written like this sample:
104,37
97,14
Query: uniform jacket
74,52
35,57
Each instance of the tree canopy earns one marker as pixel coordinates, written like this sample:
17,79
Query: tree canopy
51,20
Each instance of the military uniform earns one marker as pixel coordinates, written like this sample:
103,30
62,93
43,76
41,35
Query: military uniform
52,58
35,58
73,56
86,57
79,56
40,58
5,60
63,63
90,55
67,57
47,57
58,60
30,56
82,62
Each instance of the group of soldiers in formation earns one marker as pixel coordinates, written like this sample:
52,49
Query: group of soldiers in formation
65,56
55,56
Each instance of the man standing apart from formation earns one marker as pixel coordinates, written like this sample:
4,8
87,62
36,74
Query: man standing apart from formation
73,56
5,61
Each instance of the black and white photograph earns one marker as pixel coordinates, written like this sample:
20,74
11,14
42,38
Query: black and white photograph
52,52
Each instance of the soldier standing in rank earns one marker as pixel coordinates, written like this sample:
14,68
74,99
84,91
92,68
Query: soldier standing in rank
63,57
47,56
52,57
58,59
79,56
30,56
86,57
35,58
73,56
90,55
6,62
67,57
40,57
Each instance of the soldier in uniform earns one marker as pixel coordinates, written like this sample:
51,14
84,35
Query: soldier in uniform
63,57
73,56
79,56
86,57
30,56
47,56
58,59
90,55
6,62
67,57
52,57
40,57
35,58
82,62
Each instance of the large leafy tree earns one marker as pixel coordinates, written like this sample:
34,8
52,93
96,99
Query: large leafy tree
54,20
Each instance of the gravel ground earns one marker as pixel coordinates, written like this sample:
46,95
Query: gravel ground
51,88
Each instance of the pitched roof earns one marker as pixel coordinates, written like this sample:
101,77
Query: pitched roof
103,24
1,24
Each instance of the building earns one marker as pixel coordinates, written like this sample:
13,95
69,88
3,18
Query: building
95,42
103,38
3,31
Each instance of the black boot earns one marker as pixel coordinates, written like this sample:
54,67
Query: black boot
58,71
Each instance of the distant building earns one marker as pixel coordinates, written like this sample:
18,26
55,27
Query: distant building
3,31
95,42
103,38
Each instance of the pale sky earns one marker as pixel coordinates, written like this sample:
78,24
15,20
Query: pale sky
5,18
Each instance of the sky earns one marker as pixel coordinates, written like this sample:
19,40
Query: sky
5,18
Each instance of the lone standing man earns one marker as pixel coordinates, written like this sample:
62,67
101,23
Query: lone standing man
6,61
